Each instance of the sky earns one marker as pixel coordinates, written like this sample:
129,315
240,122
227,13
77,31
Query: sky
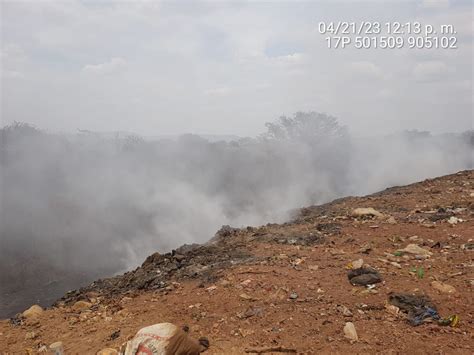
156,68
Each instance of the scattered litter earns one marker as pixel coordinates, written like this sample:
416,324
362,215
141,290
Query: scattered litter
468,246
420,309
165,338
451,321
364,276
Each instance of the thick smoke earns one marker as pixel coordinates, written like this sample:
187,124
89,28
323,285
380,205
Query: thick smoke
76,207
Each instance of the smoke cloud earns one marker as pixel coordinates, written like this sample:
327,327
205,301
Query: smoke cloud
77,207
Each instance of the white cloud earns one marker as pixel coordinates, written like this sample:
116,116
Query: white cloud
204,51
109,67
366,69
12,74
437,4
220,91
430,70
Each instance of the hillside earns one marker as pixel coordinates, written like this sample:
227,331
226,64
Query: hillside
287,285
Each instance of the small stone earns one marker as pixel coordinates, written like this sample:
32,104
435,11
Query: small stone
57,348
179,257
350,331
346,312
357,264
397,265
293,295
246,297
454,220
363,212
80,306
313,267
442,287
391,220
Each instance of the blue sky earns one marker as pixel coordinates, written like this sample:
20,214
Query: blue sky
226,68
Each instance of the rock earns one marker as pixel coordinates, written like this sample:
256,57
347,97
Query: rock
442,287
366,212
246,297
179,258
364,276
57,348
33,311
80,306
350,331
415,249
357,264
454,220
293,296
346,312
391,220
107,351
397,265
313,267
211,288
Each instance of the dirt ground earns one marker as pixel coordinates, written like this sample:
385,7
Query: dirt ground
287,286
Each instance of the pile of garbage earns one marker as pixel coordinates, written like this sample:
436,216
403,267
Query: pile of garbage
187,262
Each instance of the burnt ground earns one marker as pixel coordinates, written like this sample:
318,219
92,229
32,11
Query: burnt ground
287,286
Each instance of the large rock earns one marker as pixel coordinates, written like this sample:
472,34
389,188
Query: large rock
350,331
416,250
33,311
364,276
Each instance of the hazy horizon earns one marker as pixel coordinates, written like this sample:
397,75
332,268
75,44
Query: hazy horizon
226,68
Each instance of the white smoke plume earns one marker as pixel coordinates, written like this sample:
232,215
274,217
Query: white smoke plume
76,207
